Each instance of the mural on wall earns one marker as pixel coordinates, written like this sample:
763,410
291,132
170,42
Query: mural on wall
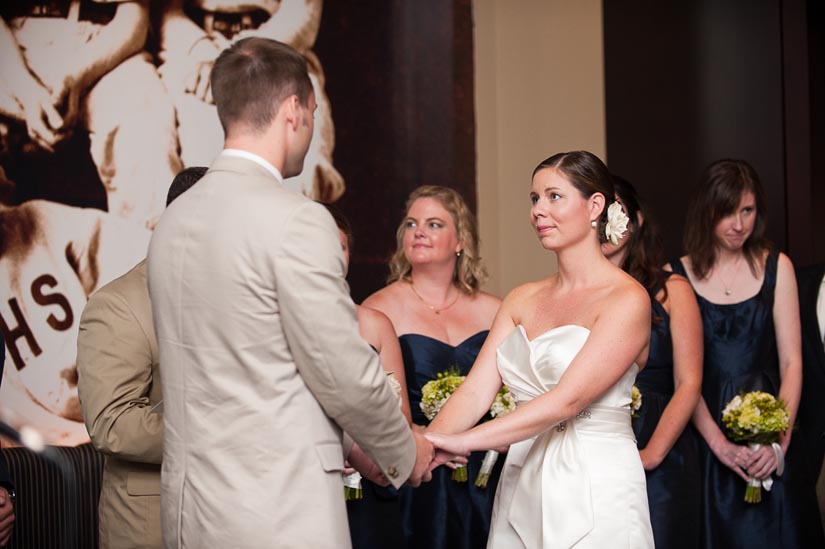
102,102
85,103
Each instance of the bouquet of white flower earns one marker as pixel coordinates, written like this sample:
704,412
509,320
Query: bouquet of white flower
434,394
503,404
756,418
635,402
352,482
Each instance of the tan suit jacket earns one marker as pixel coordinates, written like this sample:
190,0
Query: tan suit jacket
263,367
118,384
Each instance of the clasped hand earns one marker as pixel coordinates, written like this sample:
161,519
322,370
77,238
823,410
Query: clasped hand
745,462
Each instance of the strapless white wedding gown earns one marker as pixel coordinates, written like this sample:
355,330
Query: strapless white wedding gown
581,483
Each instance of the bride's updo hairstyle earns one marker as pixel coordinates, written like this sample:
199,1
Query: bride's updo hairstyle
469,273
588,174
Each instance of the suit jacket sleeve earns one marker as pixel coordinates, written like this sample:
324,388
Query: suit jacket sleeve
340,369
114,365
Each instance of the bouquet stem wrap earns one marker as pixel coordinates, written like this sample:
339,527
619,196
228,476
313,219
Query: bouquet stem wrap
487,465
352,487
460,473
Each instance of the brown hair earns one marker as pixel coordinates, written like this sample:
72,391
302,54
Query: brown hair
588,175
252,77
721,187
469,272
643,251
341,221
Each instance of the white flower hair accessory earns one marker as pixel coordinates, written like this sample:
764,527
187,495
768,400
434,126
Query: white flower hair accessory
616,224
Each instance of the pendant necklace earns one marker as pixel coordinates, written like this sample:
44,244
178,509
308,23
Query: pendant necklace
432,307
728,287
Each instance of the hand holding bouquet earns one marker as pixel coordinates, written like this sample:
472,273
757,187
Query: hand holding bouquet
503,404
434,394
757,418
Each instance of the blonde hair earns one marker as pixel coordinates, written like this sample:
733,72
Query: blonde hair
469,273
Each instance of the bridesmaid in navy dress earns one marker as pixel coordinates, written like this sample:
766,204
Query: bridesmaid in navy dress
750,312
375,519
442,318
670,382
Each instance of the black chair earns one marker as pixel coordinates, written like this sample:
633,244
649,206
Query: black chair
57,496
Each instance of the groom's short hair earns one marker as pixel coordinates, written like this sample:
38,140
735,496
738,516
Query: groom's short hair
252,77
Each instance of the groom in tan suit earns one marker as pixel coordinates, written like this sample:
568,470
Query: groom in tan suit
263,365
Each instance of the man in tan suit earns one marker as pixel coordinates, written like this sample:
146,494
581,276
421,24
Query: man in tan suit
119,385
263,364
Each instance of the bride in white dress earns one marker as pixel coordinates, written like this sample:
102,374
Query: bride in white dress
568,348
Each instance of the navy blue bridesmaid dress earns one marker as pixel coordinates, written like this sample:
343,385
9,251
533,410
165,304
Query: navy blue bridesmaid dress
443,513
741,355
674,487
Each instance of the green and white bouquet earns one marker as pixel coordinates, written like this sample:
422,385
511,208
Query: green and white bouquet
352,482
757,418
503,404
434,394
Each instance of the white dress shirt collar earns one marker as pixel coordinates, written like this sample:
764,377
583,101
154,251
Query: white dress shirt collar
254,158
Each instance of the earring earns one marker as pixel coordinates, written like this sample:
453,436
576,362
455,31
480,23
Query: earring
458,253
593,223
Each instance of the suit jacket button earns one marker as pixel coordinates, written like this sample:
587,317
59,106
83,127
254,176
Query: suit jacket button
392,472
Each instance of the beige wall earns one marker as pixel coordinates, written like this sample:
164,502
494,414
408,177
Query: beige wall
539,90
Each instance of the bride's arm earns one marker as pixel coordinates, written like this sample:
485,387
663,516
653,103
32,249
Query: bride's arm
619,335
475,395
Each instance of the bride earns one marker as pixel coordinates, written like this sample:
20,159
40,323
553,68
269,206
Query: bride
567,347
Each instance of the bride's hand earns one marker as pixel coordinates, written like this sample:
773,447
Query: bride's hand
450,450
453,444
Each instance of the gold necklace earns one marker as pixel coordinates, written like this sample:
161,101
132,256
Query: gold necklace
432,307
728,288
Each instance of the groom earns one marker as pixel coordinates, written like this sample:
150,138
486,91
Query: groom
263,363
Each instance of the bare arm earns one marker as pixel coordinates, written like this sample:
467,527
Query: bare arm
475,395
70,74
688,347
23,97
789,348
788,340
377,329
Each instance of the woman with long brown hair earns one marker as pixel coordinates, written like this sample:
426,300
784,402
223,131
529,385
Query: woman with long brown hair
747,296
669,384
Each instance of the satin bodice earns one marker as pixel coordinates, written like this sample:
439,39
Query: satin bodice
548,356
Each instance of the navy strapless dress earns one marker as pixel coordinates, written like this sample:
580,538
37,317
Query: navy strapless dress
444,513
741,355
674,487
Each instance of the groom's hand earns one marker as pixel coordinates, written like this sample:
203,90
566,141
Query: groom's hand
424,454
364,465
